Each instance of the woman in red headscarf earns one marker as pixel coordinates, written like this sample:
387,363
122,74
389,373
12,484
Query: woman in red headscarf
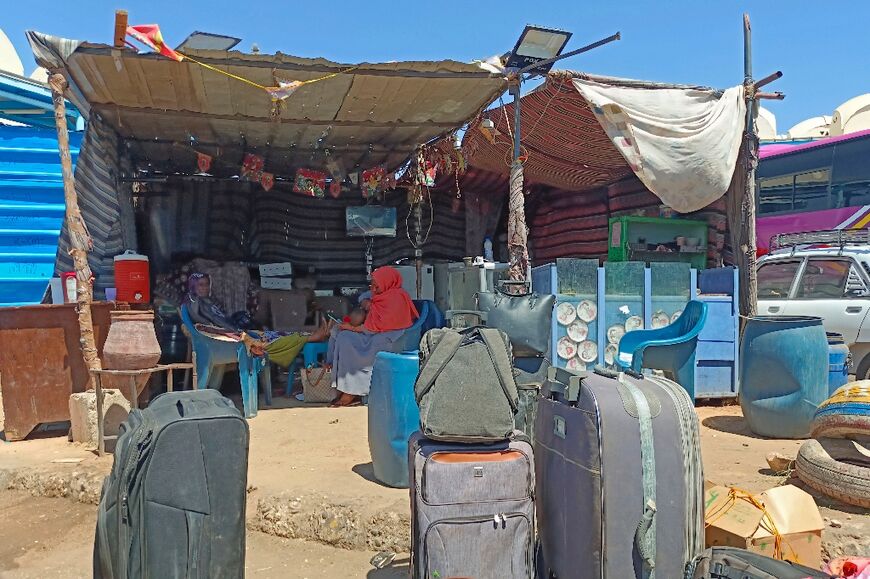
353,348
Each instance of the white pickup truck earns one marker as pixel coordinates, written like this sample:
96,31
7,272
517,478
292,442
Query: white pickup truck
829,282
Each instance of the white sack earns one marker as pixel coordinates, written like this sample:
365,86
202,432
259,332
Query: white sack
681,143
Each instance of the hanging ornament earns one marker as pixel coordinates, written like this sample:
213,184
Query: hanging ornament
267,180
335,188
310,182
389,182
371,181
203,162
354,178
283,90
252,166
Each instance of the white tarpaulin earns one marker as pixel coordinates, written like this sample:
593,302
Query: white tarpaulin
681,143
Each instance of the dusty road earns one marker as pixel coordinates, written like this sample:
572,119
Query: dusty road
44,538
300,450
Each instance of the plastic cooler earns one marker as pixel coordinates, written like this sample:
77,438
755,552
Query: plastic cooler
132,278
393,415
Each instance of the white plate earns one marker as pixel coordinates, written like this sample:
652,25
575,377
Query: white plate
587,311
633,323
578,331
660,320
566,348
676,316
566,313
575,364
615,333
588,351
610,354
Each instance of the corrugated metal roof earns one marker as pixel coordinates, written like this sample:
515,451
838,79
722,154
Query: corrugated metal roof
374,114
31,211
27,101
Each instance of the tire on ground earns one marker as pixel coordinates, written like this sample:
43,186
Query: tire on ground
836,468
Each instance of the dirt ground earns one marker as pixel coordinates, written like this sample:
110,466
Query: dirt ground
313,451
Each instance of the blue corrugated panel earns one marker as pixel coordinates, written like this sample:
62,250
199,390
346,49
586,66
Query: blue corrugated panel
31,210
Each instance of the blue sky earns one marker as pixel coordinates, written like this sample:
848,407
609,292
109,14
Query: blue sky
821,47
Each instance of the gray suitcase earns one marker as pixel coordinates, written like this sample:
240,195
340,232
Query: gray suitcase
620,482
174,504
472,509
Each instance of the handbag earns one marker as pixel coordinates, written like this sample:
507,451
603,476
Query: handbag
526,319
317,384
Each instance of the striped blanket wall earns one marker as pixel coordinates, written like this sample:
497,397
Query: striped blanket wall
240,221
95,183
574,224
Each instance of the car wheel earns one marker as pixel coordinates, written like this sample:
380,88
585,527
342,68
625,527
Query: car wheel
863,371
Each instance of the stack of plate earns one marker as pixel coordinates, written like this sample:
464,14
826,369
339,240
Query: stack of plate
575,348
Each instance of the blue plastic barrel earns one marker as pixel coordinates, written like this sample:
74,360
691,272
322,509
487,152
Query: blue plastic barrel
838,362
783,374
393,415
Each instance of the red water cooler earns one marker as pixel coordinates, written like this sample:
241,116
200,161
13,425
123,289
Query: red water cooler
132,278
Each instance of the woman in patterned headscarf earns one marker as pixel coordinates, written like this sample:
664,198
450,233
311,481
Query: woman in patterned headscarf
203,308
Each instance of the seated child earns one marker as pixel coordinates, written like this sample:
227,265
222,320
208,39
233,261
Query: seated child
356,318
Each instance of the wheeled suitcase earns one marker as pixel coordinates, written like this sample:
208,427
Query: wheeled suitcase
472,509
619,476
174,504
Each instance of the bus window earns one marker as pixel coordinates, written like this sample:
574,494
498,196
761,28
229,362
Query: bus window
850,182
775,194
811,190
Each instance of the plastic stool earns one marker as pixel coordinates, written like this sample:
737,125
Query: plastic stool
312,353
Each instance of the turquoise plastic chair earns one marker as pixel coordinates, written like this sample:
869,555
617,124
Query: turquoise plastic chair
212,358
410,340
670,349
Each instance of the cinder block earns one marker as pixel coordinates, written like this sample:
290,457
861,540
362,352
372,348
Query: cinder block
83,415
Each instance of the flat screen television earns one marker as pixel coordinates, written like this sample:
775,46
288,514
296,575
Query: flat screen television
370,221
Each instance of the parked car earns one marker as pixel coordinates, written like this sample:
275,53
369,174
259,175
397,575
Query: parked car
829,282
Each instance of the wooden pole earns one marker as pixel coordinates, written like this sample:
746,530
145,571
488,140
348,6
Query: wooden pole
80,239
748,249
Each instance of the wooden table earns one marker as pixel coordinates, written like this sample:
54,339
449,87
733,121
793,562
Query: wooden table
134,394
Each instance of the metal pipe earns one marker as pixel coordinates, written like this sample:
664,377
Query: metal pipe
768,79
581,50
775,96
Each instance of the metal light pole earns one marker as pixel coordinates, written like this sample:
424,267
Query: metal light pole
518,249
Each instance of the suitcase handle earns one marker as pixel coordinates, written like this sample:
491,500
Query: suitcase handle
608,373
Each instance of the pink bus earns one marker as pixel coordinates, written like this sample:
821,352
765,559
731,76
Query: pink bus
816,186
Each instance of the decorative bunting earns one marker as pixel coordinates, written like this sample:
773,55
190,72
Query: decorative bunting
371,181
310,182
267,180
335,188
203,162
283,90
252,166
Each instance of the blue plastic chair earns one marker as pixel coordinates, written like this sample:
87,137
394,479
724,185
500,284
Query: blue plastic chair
670,349
212,358
410,340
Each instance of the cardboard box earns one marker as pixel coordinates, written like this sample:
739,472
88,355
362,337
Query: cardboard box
284,268
794,514
283,283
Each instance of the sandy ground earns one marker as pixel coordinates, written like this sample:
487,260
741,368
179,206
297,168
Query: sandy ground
315,451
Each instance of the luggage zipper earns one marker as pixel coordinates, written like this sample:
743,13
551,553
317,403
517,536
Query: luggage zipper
125,494
499,519
530,491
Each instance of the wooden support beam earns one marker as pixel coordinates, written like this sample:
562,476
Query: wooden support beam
120,28
80,239
775,96
748,250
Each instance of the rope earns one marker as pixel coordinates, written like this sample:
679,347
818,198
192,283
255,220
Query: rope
258,85
734,495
